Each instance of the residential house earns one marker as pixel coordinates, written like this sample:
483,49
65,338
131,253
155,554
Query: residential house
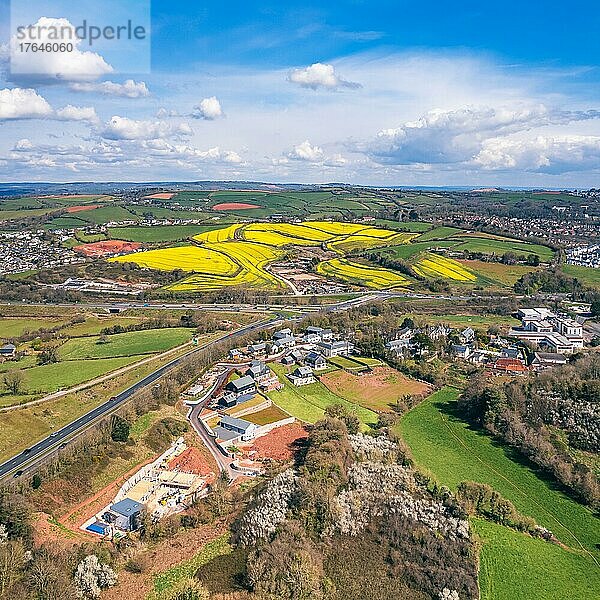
231,428
284,342
401,340
462,350
228,400
467,335
257,350
8,351
336,348
511,352
436,332
242,386
314,335
547,360
315,361
302,376
258,370
509,366
235,354
282,333
125,515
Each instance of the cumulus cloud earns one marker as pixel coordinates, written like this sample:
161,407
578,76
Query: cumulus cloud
306,151
319,75
77,113
123,128
457,136
17,103
127,89
555,155
208,109
156,155
77,65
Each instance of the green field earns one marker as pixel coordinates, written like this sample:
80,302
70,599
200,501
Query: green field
499,247
439,233
46,379
308,403
453,452
586,275
411,226
161,233
125,344
514,566
15,327
105,214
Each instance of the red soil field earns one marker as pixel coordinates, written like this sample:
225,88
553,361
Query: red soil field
106,248
278,444
191,460
234,206
161,195
80,207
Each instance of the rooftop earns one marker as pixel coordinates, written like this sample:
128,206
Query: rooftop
127,507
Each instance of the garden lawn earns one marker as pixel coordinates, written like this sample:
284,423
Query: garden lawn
266,416
308,402
453,452
514,566
125,344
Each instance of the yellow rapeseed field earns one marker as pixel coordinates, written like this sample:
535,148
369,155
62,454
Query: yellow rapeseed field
238,255
186,258
434,265
356,273
218,235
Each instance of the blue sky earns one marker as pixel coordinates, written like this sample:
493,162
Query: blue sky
398,93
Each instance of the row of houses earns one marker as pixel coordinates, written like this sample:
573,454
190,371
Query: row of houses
403,340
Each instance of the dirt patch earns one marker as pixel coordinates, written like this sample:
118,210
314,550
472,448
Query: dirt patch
106,248
49,532
192,460
234,206
378,390
161,195
82,207
279,444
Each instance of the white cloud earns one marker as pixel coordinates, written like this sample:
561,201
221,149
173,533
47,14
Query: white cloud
163,113
556,155
122,128
77,113
306,151
127,89
76,65
319,75
456,136
209,109
18,103
23,145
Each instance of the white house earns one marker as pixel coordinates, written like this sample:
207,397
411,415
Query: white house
302,376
